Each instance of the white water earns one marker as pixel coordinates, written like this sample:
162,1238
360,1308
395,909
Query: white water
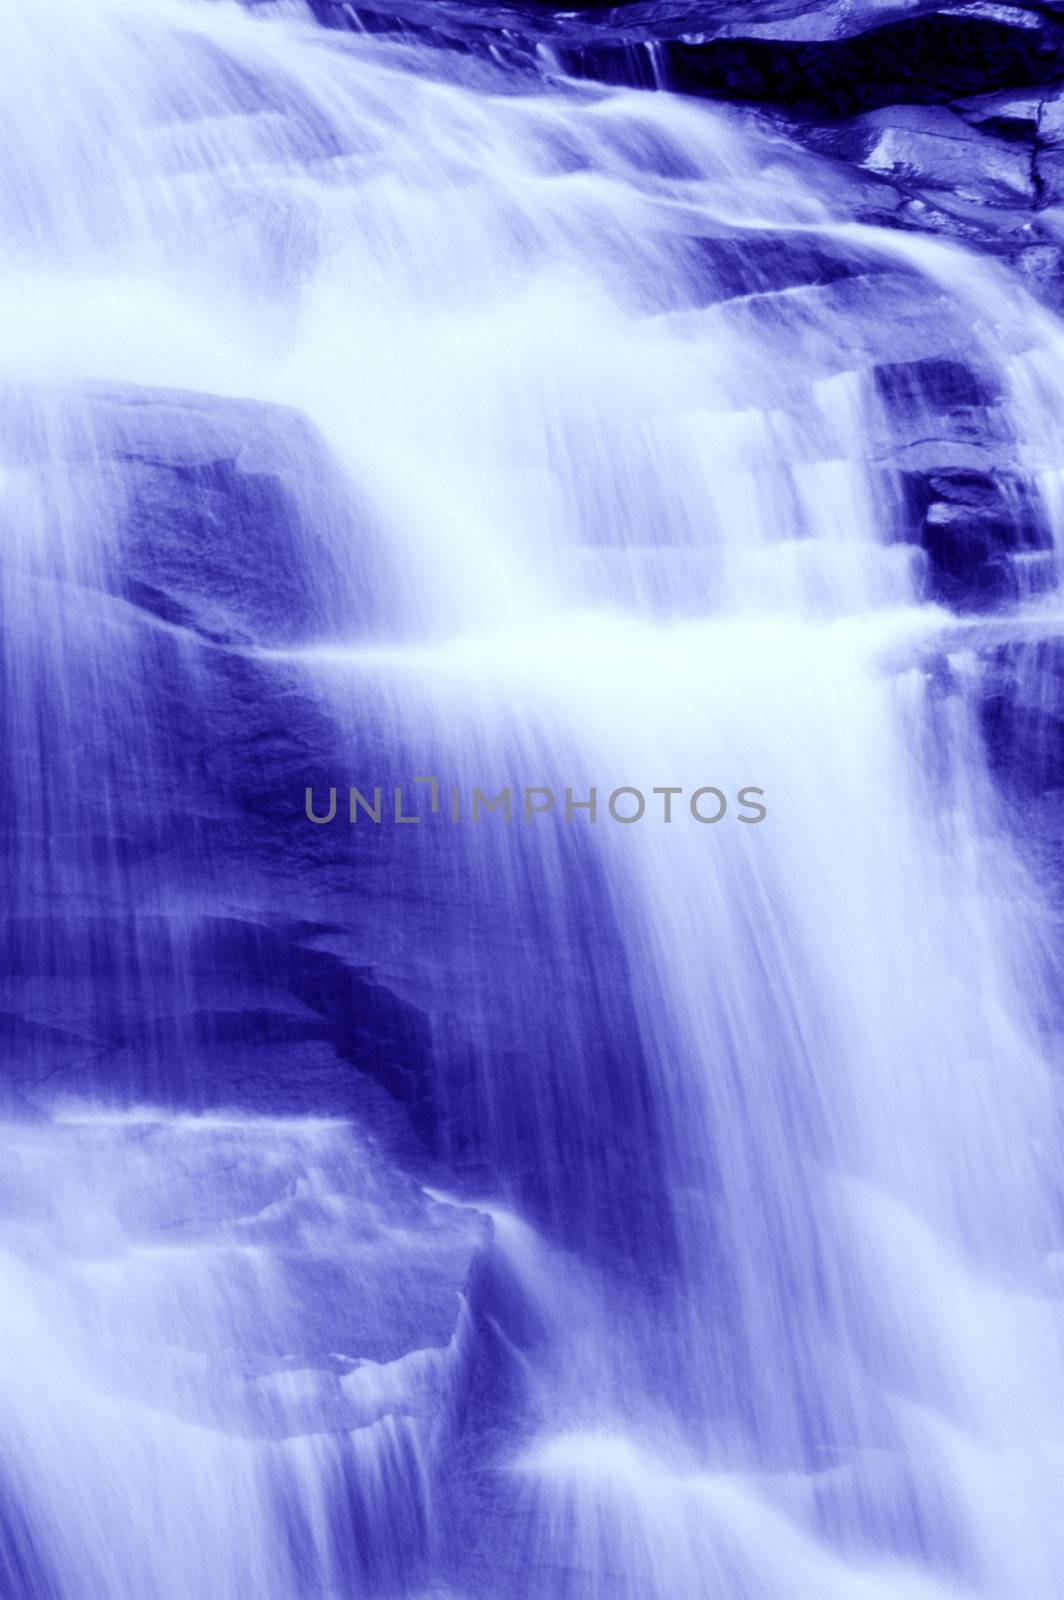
182,1414
616,535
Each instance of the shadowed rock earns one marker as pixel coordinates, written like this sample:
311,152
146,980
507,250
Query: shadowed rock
963,498
839,59
214,513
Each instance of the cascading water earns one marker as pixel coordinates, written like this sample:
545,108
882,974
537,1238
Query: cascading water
760,1114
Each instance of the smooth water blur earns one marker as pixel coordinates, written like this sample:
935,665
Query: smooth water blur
183,1413
776,1097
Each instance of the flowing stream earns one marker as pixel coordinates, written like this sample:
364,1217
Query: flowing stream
765,1113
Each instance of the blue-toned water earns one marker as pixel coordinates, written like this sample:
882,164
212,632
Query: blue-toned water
734,1272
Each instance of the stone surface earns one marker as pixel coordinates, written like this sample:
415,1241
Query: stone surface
1022,708
933,148
951,462
213,505
971,525
742,264
185,936
165,951
839,60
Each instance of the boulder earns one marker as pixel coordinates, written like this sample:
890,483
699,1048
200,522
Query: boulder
951,458
932,148
229,514
154,757
1007,113
842,59
973,524
830,60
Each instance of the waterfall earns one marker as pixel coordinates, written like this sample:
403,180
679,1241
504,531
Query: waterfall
723,1261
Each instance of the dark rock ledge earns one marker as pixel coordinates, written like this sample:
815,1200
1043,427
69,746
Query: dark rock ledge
835,59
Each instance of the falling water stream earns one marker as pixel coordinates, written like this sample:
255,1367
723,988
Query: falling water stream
792,1247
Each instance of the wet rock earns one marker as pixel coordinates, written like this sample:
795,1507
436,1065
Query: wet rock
941,412
832,59
973,525
190,939
859,321
946,442
1051,116
932,148
161,949
1042,269
1049,173
840,60
1022,711
1007,114
766,262
344,1304
213,509
941,118
945,389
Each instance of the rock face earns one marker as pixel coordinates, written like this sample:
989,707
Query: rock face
833,59
841,59
178,932
214,513
965,501
163,728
